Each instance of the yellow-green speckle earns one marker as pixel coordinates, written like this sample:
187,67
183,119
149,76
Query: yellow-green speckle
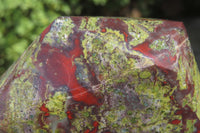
145,74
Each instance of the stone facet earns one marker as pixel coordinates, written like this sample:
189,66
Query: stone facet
103,75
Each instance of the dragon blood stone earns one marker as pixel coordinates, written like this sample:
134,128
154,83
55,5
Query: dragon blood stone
103,75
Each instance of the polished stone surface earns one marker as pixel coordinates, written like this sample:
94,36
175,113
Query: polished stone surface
103,75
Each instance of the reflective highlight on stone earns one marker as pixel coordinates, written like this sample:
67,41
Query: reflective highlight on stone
103,75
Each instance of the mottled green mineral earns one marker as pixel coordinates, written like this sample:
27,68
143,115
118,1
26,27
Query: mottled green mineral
103,75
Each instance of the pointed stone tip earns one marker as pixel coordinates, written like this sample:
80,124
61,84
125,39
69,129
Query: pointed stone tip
94,70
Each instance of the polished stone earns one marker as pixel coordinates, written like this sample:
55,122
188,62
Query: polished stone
103,75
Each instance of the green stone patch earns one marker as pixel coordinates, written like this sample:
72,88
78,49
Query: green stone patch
145,74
